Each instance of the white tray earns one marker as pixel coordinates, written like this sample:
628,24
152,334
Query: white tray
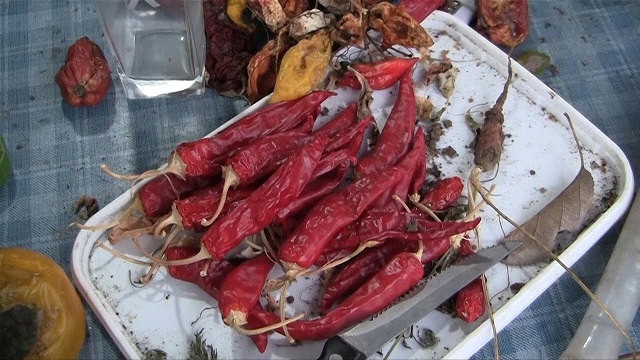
540,153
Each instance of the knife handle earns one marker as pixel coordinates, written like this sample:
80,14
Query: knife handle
335,349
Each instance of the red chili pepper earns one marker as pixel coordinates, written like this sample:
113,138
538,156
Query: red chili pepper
420,9
217,272
398,276
469,302
465,249
157,195
402,188
311,193
262,206
395,138
203,157
329,215
443,194
343,120
420,172
357,271
241,288
202,204
85,77
378,75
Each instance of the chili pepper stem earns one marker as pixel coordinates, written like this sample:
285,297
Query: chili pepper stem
236,319
173,218
231,178
270,327
122,256
425,209
147,277
366,95
418,254
175,165
283,296
401,202
203,254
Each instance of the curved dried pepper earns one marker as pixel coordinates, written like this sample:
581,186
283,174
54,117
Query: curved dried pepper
261,70
398,27
303,67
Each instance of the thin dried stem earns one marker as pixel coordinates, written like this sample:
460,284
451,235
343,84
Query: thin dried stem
123,256
270,327
571,273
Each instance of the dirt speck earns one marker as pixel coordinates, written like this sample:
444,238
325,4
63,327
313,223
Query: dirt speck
515,287
554,70
324,111
447,124
559,11
532,172
542,190
85,207
19,147
449,152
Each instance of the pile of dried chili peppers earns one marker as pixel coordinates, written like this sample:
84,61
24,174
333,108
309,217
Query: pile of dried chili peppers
276,192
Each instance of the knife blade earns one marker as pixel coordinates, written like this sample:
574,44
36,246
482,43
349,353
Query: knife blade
364,339
465,10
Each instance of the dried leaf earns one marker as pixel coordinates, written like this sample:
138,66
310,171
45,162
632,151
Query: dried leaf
350,30
567,212
424,108
398,27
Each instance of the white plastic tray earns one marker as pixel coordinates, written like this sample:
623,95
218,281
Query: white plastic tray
539,161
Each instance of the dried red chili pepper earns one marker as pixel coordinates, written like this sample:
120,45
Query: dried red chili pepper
357,271
216,273
378,75
443,194
202,156
157,195
379,224
371,260
210,284
395,138
329,215
262,206
401,190
420,9
465,249
85,77
398,276
189,213
241,289
420,172
469,302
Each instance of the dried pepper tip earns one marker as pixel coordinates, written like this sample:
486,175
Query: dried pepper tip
303,67
534,61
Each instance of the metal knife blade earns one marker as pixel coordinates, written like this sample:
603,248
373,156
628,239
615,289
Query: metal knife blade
364,339
465,10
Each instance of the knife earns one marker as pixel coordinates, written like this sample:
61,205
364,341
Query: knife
364,339
465,10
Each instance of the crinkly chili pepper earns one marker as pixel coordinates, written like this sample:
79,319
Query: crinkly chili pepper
201,157
210,283
379,224
398,276
343,120
262,206
301,249
420,172
256,161
216,273
378,75
420,9
157,195
395,138
397,194
85,77
363,266
469,303
443,194
357,271
188,213
241,289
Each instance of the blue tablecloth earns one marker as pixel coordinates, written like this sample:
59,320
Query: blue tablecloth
55,149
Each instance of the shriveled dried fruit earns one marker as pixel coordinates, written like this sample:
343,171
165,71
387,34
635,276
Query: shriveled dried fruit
262,68
350,30
293,8
269,11
303,67
506,22
397,27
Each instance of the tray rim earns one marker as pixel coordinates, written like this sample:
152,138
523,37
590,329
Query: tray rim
477,338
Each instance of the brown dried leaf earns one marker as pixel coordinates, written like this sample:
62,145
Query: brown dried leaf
350,30
398,27
567,212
